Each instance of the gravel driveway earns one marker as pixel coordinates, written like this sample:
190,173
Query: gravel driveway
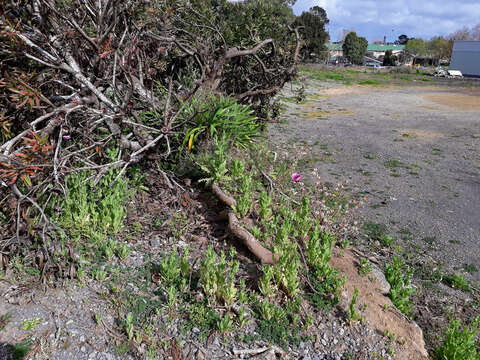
413,153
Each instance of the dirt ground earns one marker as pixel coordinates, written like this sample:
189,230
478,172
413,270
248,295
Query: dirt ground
412,152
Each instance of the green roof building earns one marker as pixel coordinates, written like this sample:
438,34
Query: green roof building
373,50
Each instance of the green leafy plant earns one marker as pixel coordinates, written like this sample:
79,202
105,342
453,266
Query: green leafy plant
129,326
457,281
225,324
365,267
265,204
94,210
217,277
31,324
398,276
20,350
215,165
265,282
244,200
173,267
325,279
220,116
352,312
122,251
460,343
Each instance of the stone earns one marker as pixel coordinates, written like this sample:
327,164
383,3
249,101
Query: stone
383,284
381,315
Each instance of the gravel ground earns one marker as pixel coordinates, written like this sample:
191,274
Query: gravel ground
66,329
413,152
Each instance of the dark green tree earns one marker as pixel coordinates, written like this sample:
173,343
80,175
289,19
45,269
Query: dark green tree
354,48
389,59
312,28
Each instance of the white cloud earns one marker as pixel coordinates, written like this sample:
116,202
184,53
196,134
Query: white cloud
374,19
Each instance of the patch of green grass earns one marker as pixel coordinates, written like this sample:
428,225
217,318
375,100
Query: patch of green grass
378,232
19,351
322,75
429,239
370,156
386,240
352,313
364,172
457,281
470,268
393,163
369,82
278,324
460,343
337,77
375,231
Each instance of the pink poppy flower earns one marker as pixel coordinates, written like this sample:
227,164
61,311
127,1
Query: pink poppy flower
296,177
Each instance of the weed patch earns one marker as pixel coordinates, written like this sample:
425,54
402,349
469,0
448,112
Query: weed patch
456,281
369,82
398,276
460,343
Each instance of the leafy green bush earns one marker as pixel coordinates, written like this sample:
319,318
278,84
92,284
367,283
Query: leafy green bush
460,343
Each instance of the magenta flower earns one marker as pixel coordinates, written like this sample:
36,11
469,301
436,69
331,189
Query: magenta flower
296,177
66,137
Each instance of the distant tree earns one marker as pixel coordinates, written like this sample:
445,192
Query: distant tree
354,48
345,32
439,47
461,34
464,33
402,39
312,27
389,59
416,47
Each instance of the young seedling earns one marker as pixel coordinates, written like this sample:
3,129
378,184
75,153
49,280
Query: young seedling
365,267
353,316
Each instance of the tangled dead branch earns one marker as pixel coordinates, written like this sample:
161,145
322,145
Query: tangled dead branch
74,86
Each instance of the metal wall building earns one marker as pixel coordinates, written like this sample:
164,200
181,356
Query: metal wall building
466,57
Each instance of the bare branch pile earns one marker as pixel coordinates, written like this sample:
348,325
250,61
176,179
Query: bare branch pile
79,77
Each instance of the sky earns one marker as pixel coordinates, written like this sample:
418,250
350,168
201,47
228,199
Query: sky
391,18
